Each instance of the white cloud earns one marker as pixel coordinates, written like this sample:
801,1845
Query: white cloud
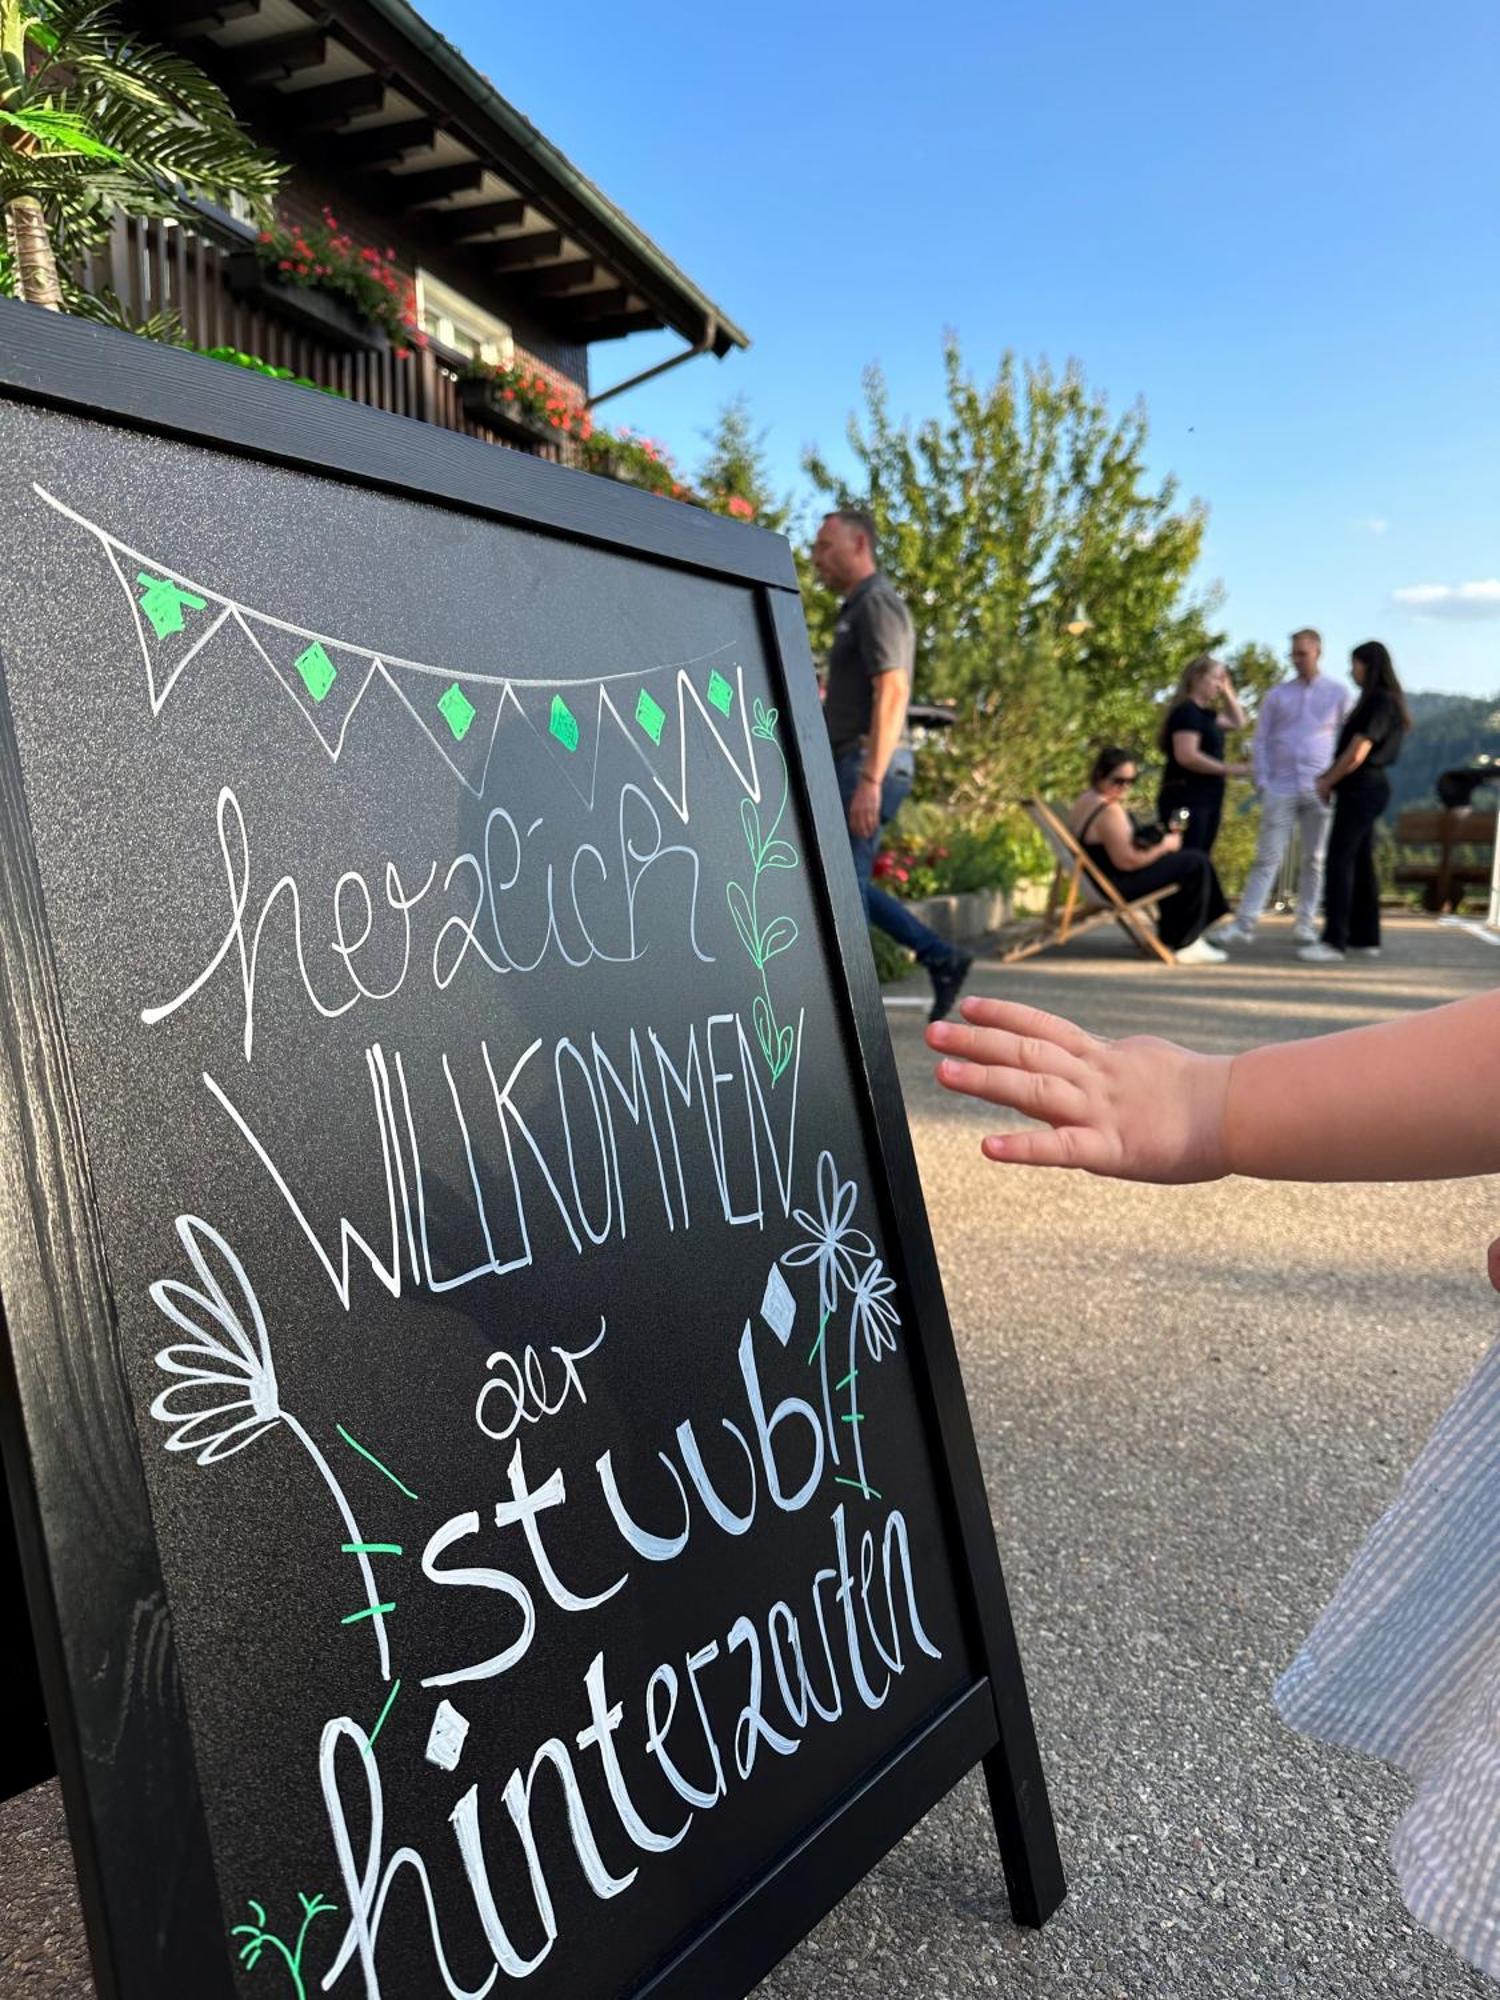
1451,600
1374,524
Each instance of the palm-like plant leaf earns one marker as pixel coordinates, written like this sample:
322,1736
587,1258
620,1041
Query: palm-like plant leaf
101,119
58,131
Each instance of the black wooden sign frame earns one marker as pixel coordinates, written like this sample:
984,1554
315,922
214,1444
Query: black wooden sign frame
98,1607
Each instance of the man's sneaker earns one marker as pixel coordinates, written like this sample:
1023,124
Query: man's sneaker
947,984
1225,934
1304,934
1364,951
1201,952
1321,954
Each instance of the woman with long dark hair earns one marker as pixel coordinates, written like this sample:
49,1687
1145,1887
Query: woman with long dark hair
1192,741
1357,787
1138,861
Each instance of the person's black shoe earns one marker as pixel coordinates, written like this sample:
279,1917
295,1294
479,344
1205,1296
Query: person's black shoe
947,984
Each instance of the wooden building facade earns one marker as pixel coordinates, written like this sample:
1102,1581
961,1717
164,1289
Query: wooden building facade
515,257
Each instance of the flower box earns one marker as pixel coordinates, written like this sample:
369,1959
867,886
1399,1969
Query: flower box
626,468
482,399
321,313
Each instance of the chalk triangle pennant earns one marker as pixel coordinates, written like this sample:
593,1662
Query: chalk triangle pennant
175,621
327,680
459,714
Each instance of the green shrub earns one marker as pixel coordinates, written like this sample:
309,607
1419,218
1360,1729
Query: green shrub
932,851
892,961
254,363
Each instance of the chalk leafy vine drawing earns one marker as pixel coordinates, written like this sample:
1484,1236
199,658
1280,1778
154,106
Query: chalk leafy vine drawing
766,940
851,1275
258,1939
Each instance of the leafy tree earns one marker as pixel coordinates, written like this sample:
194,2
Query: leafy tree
91,119
733,477
1254,669
1024,502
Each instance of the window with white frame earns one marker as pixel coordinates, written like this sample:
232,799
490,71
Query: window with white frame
455,322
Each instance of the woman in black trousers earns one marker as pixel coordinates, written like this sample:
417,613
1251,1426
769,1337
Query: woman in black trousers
1356,785
1192,737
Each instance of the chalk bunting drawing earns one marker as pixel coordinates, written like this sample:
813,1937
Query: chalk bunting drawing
179,622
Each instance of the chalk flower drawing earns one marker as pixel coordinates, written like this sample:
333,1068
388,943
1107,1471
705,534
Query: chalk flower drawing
766,941
227,1395
847,1268
258,1939
829,1240
873,1317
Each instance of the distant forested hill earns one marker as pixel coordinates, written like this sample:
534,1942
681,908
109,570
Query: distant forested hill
1448,729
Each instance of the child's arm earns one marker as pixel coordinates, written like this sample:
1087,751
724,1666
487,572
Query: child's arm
1414,1099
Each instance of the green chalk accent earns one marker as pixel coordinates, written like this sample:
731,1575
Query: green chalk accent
317,670
868,1492
651,716
852,1417
372,1549
457,711
720,693
164,602
846,1381
368,1611
822,1329
563,724
355,1445
380,1722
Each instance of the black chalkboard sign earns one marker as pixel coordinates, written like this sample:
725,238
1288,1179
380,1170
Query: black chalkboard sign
491,1468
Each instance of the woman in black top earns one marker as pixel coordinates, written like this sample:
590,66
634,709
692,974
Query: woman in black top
1356,785
1193,738
1104,830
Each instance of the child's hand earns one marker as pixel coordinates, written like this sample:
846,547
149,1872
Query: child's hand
1139,1110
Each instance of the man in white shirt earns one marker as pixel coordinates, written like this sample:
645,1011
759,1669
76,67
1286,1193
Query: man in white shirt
1296,733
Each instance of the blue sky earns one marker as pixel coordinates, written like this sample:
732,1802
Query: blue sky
1275,221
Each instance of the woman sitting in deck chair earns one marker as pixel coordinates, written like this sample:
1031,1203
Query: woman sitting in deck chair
1139,860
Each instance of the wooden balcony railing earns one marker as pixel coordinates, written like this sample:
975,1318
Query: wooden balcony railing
155,268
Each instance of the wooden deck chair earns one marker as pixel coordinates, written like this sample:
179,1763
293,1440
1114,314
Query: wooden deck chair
1082,896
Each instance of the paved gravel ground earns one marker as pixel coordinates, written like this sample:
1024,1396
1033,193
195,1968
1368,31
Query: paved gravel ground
1190,1405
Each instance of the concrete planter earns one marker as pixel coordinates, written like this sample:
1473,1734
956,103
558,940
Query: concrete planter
967,919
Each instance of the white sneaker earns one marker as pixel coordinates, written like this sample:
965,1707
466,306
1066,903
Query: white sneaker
1364,951
1304,934
1201,952
1320,954
1229,933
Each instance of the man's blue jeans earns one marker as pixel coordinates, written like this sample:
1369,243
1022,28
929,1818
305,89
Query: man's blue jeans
891,916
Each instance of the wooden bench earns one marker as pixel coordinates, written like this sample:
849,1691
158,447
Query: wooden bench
1458,853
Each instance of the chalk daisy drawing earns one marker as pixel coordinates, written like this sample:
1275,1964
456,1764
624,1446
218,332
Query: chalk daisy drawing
765,940
226,1395
848,1271
873,1323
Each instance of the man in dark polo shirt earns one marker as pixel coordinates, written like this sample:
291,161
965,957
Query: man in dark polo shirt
864,705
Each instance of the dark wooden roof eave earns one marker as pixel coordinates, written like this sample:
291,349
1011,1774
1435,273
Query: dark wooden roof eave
404,53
